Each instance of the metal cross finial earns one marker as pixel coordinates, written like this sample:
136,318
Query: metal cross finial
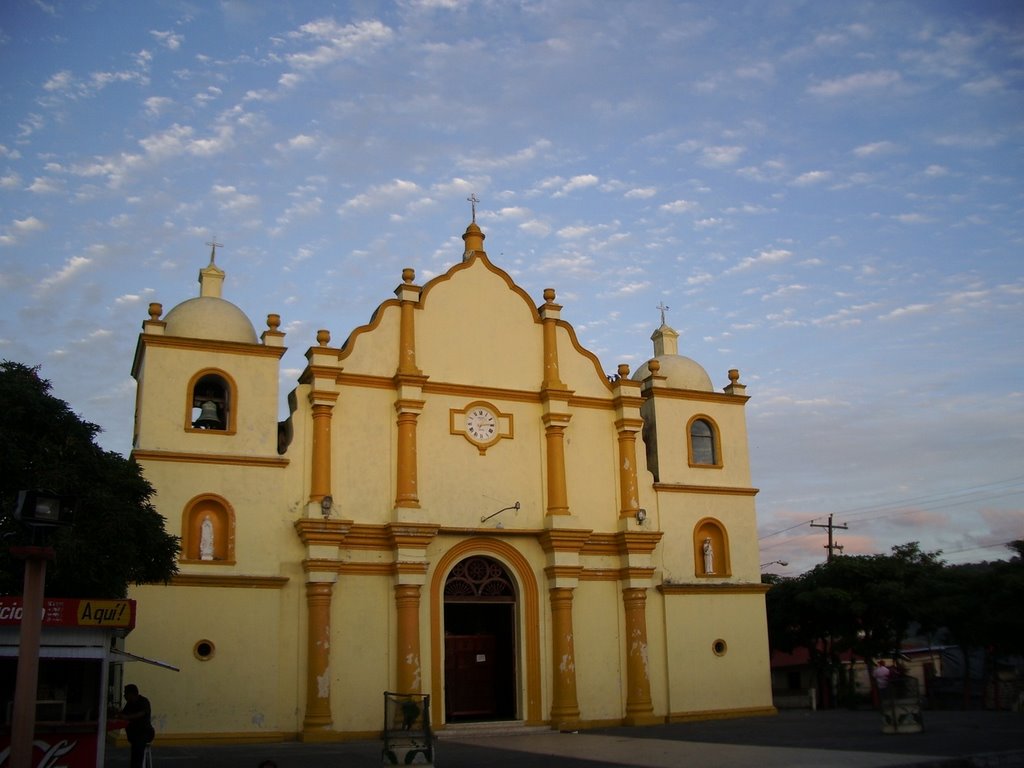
473,201
214,245
662,307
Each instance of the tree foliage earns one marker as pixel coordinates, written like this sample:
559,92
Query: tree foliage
118,537
866,605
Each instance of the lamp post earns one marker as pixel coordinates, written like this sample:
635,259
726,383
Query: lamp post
39,511
783,563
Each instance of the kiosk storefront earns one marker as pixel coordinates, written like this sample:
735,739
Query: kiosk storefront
80,642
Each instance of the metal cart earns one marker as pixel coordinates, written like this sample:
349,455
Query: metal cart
408,739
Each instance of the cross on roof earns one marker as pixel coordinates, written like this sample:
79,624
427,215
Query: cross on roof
473,201
662,307
214,245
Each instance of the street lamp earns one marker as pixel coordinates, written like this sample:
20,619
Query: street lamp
783,563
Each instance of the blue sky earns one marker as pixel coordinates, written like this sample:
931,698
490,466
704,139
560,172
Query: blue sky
826,195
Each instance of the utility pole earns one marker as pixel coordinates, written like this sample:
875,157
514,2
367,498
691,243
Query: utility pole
832,545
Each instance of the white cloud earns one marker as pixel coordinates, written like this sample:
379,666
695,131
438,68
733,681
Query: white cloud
170,40
231,199
61,81
74,266
640,193
298,142
862,81
913,218
678,206
577,182
381,194
770,256
27,226
875,148
10,181
44,185
984,86
521,157
935,171
811,178
910,309
535,227
156,105
574,233
718,157
337,42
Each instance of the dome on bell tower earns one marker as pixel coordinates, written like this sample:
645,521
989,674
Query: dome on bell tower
681,372
208,316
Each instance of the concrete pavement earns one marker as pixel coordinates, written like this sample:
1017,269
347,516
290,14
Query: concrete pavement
792,739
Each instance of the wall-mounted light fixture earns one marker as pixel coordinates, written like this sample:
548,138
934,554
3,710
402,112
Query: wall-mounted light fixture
325,506
485,518
641,515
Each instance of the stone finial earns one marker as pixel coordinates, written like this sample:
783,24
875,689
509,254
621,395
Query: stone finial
273,321
623,370
155,310
734,387
323,337
408,275
654,366
549,295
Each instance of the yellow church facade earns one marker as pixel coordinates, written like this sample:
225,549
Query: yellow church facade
461,503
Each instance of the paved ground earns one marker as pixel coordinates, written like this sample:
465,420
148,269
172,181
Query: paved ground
793,739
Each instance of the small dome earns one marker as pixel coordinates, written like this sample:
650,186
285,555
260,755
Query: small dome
681,372
209,317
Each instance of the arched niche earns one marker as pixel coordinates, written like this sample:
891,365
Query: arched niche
208,531
711,547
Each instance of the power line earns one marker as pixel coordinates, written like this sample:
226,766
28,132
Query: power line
931,497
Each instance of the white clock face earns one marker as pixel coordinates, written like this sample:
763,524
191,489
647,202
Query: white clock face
481,424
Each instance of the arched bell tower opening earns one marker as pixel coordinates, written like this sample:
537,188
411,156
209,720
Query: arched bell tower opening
479,641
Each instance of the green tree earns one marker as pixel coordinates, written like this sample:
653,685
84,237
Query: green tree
118,537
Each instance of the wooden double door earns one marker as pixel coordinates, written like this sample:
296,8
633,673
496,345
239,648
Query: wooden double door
479,660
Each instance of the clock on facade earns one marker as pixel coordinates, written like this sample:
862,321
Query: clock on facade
481,424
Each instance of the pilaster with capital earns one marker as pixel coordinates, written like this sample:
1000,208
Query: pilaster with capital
636,550
563,548
322,539
409,542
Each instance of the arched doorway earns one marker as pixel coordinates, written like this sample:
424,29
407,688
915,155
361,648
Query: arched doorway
479,641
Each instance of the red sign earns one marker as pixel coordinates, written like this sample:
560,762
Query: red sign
57,750
67,612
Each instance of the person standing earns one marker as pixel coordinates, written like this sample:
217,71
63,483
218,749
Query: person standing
139,730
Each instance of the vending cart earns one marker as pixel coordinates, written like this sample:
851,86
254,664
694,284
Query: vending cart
78,647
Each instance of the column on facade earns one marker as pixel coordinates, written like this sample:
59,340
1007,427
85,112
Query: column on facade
322,376
409,401
639,706
408,674
628,423
565,708
563,547
635,549
318,650
322,538
554,436
555,400
409,542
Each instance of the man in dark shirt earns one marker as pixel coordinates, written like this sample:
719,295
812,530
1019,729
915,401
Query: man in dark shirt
139,730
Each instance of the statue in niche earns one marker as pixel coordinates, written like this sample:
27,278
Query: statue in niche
206,539
709,556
